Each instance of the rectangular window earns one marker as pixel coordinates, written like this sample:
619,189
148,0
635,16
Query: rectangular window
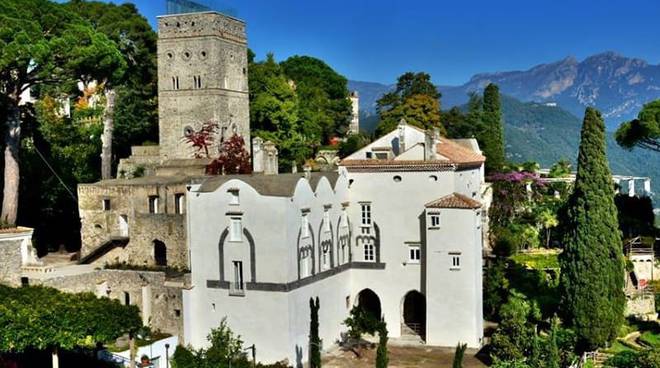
235,229
326,258
305,258
179,203
369,154
414,254
237,285
304,225
234,200
326,221
153,204
434,220
369,252
344,218
455,261
366,214
106,205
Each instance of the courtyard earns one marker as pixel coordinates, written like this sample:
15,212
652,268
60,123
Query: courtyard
402,357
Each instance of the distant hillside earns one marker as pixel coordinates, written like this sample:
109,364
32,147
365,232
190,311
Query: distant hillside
546,134
617,85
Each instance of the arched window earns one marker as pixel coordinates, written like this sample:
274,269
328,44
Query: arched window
160,253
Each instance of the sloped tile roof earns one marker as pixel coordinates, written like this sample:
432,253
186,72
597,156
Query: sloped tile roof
396,165
455,200
458,153
453,155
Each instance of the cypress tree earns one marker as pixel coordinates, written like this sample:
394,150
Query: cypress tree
314,340
592,268
381,353
458,355
493,129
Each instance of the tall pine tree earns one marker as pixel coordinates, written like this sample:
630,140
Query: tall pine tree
592,261
493,129
314,340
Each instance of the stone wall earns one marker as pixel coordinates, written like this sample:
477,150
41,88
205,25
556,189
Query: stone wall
10,262
641,305
128,214
142,162
158,298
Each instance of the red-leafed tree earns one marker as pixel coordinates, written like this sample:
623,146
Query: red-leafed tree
202,139
233,159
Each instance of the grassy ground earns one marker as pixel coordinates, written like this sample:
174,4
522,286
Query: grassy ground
402,357
539,260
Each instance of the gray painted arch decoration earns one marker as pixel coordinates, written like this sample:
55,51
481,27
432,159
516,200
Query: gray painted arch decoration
221,254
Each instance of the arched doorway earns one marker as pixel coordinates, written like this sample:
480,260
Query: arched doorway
368,301
160,253
414,314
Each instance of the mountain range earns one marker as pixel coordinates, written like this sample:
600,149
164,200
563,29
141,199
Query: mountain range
542,107
617,85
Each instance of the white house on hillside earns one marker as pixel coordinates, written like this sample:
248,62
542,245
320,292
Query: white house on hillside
397,230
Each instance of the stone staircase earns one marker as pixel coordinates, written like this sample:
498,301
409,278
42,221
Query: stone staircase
599,358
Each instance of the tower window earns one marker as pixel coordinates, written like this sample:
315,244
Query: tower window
369,252
236,228
414,253
304,225
434,219
175,82
237,286
106,204
455,261
234,200
326,221
366,214
179,203
153,204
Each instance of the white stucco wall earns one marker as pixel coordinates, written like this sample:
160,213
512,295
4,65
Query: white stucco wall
274,311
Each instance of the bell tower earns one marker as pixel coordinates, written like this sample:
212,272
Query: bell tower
202,76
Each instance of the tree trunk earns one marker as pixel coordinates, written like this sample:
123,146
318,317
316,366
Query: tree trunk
12,170
106,138
55,358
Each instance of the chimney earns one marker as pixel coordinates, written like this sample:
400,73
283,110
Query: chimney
270,162
402,136
257,155
432,139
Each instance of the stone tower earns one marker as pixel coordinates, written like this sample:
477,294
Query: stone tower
202,76
354,127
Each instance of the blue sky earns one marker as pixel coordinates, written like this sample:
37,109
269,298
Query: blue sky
376,41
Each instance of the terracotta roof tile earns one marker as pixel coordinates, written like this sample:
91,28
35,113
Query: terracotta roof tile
453,153
455,200
396,165
457,153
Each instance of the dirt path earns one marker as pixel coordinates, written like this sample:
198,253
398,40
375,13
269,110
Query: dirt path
402,357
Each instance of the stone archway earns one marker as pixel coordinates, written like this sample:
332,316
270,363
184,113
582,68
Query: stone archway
414,314
369,301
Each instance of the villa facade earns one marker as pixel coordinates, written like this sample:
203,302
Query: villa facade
400,235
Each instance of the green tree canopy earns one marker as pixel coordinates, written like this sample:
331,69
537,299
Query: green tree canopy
414,99
493,129
325,108
43,43
643,132
592,262
45,318
137,111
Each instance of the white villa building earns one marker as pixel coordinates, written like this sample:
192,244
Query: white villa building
397,230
